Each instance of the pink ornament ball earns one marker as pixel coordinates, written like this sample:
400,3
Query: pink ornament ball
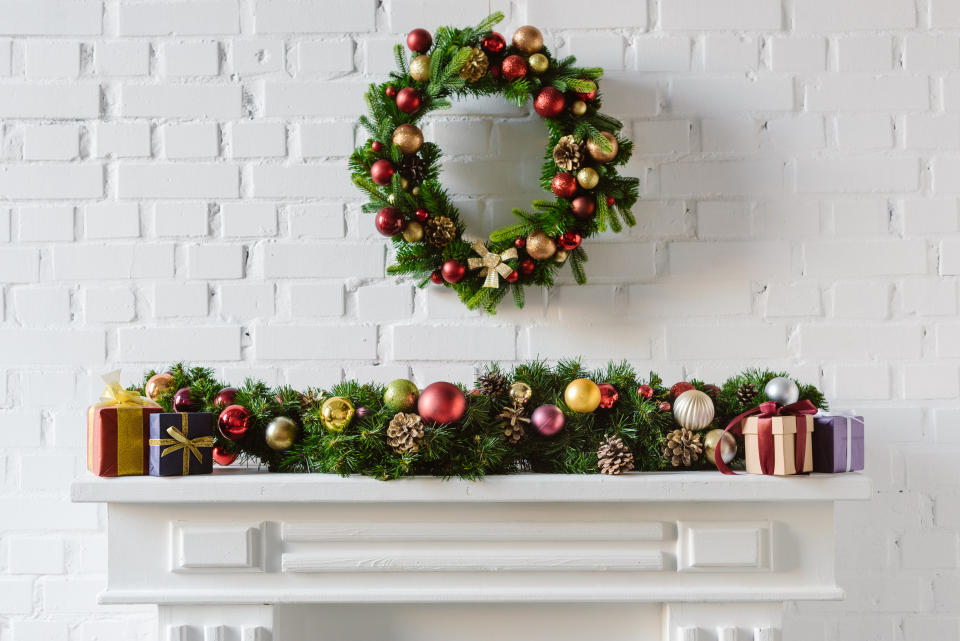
547,420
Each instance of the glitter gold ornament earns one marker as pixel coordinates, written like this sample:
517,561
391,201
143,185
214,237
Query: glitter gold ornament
596,151
588,177
420,68
439,231
476,66
336,413
281,433
520,392
408,137
582,395
413,232
693,409
528,40
540,246
578,108
538,63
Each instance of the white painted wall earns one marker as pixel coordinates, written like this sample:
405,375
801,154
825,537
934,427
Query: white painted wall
174,186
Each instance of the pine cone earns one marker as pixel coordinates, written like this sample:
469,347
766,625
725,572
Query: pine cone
439,231
746,393
513,426
309,399
476,67
493,384
404,432
683,447
413,168
613,456
568,153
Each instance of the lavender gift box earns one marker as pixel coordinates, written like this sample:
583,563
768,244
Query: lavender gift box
181,443
837,443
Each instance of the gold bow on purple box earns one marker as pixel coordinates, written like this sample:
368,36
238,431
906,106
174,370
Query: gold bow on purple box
491,265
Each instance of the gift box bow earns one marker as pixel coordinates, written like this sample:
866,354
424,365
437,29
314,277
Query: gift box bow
114,395
768,410
491,265
180,441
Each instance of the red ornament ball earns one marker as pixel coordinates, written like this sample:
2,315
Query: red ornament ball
608,395
493,43
234,421
664,406
549,103
419,40
382,171
389,221
408,100
436,277
570,240
680,388
183,400
547,420
390,91
513,68
453,271
564,185
376,145
495,70
226,396
583,207
527,266
588,95
512,276
421,215
645,391
610,201
520,242
442,403
712,390
223,457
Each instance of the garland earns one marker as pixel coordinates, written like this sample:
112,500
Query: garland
399,171
496,432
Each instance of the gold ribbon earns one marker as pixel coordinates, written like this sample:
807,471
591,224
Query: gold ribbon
491,265
115,395
179,441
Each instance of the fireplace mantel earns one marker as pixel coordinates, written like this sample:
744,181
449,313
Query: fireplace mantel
691,555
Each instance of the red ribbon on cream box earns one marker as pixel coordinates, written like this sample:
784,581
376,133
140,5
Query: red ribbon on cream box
778,440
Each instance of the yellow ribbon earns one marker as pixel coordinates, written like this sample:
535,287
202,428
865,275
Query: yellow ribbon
491,265
179,441
115,395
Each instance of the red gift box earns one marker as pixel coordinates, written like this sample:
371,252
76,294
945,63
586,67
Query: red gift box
118,429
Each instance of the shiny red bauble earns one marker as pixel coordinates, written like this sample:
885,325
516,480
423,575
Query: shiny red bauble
436,277
390,91
583,207
381,171
512,276
421,215
376,145
549,103
610,201
419,40
234,421
588,95
226,396
222,457
526,266
389,221
183,400
608,395
513,68
570,240
453,271
664,406
408,100
441,403
645,391
564,185
680,388
493,43
520,242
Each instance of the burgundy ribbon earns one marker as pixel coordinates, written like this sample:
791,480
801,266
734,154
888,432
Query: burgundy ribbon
767,411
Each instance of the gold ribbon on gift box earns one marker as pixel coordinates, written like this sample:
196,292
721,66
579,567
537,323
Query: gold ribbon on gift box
491,265
130,427
115,395
180,441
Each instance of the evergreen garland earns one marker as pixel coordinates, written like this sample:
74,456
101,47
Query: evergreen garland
475,446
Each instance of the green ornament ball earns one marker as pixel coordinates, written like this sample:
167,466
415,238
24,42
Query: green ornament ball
401,395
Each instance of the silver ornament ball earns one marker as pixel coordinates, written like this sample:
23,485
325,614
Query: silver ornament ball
281,433
782,390
693,409
728,449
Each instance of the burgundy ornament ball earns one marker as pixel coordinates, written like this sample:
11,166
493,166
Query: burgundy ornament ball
547,420
183,400
513,68
512,276
527,266
226,396
588,95
381,171
453,271
421,215
389,221
549,103
712,390
570,240
390,91
645,391
493,43
408,100
436,277
520,242
419,40
441,403
608,395
610,201
376,145
680,388
564,185
222,457
583,207
495,70
664,406
234,421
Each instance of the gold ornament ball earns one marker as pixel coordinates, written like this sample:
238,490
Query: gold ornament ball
520,392
588,177
561,256
528,40
728,451
336,413
281,433
420,68
409,138
578,107
413,232
582,395
404,183
540,246
538,63
415,191
598,154
693,409
158,385
392,199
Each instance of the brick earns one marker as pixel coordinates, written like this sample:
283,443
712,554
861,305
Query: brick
328,180
711,95
730,259
50,17
122,58
303,16
948,340
258,56
794,134
111,220
729,134
51,142
181,180
21,428
301,260
933,549
737,341
860,299
191,140
58,59
797,298
928,297
611,14
950,257
858,174
315,342
59,101
109,304
607,261
853,15
181,59
316,221
82,347
662,136
196,17
181,101
36,555
459,137
246,301
255,220
732,177
865,54
868,93
123,140
730,53
173,220
51,182
798,54
16,595
405,15
333,139
723,219
433,343
215,261
931,381
604,50
6,58
874,258
258,139
930,627
196,344
932,132
174,299
389,302
19,264
860,341
42,306
930,216
45,223
944,13
861,382
931,53
316,300
662,53
31,630
304,99
721,298
865,132
946,171
113,261
325,57
732,14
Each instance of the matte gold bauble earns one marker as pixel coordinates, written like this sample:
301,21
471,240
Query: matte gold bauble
158,385
540,246
336,413
582,395
281,433
728,451
528,40
413,232
561,256
415,191
520,392
578,108
409,138
588,177
598,154
693,409
420,68
538,63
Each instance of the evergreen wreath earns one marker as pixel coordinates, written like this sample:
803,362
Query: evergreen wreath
399,171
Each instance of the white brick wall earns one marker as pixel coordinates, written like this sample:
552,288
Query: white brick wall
173,186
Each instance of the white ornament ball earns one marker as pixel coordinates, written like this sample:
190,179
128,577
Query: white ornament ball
782,390
728,449
693,409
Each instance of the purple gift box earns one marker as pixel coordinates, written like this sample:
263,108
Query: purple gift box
837,443
181,443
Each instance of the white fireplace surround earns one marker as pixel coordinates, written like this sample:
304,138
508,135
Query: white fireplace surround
671,556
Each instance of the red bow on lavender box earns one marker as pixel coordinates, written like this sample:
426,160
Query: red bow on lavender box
768,410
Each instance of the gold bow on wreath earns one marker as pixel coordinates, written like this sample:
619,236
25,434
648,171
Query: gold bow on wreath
491,264
181,442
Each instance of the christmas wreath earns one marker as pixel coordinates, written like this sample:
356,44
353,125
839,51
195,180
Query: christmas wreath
399,171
